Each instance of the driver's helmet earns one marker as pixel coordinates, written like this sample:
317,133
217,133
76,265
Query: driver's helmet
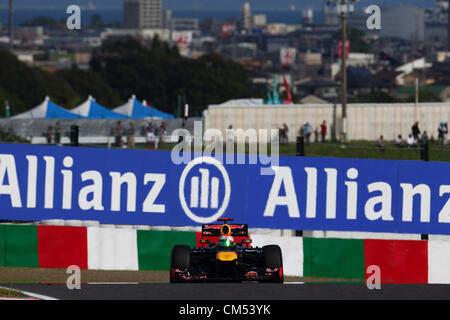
226,241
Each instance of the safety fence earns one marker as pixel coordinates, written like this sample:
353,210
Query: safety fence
111,248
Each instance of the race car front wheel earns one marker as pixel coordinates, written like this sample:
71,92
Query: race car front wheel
273,260
180,259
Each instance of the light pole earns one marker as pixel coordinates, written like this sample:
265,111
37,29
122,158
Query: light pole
344,7
344,70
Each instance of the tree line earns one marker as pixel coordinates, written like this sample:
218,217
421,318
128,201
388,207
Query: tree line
121,68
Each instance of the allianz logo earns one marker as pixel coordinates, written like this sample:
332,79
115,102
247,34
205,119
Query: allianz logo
204,190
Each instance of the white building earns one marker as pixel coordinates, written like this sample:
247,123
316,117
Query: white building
246,16
259,20
143,14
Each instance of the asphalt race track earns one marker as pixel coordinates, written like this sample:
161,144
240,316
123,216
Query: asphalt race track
245,291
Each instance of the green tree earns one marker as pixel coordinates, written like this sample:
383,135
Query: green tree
159,74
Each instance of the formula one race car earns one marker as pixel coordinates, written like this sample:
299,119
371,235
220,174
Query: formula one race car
219,257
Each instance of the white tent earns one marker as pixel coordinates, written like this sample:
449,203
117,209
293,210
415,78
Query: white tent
47,110
136,110
92,110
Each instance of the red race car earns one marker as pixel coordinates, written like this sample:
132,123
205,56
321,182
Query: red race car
225,254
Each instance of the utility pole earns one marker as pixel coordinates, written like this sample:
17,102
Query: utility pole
448,26
11,22
344,69
343,8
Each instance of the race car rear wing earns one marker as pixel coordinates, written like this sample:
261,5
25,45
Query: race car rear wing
214,230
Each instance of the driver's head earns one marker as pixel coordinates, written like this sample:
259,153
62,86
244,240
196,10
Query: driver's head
226,241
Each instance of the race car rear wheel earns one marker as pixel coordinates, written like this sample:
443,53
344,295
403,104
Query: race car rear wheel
180,259
273,260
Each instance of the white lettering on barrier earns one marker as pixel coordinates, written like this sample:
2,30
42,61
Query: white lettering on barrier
90,196
283,177
8,168
96,189
32,181
49,181
149,202
352,194
409,191
117,180
311,192
384,199
444,214
67,183
331,193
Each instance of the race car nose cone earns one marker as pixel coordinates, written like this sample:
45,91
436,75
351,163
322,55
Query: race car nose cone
226,256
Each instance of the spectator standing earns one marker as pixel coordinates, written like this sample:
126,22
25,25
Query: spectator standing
230,135
130,136
308,132
302,131
445,133
150,135
156,131
323,130
58,133
118,133
162,132
49,135
415,131
424,138
316,135
284,134
441,132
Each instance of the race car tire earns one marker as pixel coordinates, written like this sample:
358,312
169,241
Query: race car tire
273,259
180,259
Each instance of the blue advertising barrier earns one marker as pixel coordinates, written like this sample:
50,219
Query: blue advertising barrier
149,188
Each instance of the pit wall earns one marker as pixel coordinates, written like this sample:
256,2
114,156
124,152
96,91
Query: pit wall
111,248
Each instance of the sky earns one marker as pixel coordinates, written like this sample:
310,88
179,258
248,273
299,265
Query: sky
202,4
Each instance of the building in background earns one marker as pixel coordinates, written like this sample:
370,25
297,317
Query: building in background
436,23
246,16
143,14
330,12
259,20
167,18
307,16
184,24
